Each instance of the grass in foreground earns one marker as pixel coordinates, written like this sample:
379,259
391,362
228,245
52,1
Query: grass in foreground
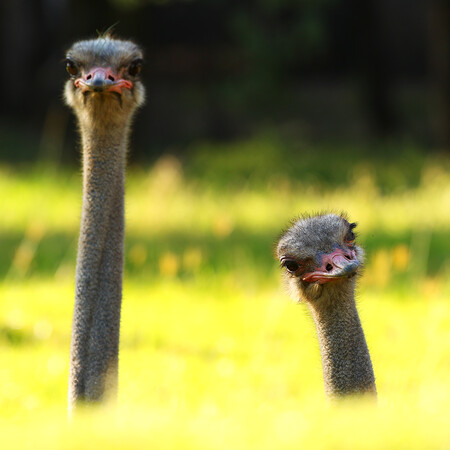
213,354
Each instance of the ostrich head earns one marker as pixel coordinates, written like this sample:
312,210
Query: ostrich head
104,86
320,258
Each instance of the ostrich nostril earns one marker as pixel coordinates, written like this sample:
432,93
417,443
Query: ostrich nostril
329,267
89,77
110,77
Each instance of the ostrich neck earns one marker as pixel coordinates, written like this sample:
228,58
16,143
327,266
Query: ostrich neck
347,368
98,290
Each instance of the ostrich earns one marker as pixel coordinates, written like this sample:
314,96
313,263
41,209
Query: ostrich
321,261
104,91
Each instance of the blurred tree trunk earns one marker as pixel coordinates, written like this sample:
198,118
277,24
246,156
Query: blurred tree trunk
17,55
30,32
376,68
439,32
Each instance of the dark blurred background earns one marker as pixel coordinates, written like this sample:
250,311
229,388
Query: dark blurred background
220,70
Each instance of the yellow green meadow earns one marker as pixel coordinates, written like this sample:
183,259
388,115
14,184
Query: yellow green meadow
214,355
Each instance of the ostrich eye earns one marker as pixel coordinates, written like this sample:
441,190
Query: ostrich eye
71,67
351,235
135,67
291,265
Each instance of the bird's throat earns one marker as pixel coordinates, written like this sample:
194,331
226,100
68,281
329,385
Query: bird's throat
347,367
96,324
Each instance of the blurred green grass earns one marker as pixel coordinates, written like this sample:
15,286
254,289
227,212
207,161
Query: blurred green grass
213,354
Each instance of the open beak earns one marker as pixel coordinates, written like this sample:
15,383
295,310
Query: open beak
336,265
100,79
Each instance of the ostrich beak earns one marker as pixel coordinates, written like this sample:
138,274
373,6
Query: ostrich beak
100,79
336,265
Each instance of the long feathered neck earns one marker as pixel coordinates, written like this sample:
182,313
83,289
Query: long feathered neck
98,292
347,367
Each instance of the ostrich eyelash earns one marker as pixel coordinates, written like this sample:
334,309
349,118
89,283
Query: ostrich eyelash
290,264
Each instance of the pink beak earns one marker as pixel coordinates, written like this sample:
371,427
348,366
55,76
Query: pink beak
335,265
101,79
